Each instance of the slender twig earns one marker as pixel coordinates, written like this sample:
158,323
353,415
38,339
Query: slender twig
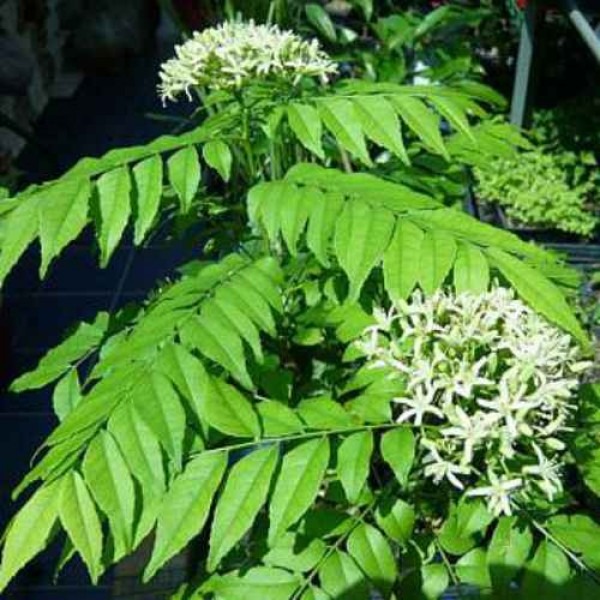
447,563
571,555
333,548
297,437
345,159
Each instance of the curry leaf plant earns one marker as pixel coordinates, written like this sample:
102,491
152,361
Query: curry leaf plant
357,390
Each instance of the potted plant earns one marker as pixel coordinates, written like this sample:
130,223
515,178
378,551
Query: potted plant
360,389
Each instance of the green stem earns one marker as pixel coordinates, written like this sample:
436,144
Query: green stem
359,520
571,555
345,159
300,436
246,142
202,95
275,161
448,564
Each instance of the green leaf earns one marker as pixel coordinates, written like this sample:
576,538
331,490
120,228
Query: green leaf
218,156
452,539
297,485
63,215
546,573
323,217
371,408
278,419
508,551
321,21
186,372
148,186
29,531
184,174
229,315
433,19
264,205
19,230
580,534
250,303
80,519
473,516
350,321
397,519
538,291
398,450
401,260
259,583
423,122
85,338
296,554
454,114
67,553
472,569
341,578
380,123
324,413
305,122
140,448
67,394
435,581
341,120
244,494
468,518
325,523
438,251
55,461
91,412
215,340
263,277
373,555
471,270
353,462
361,236
228,410
150,504
294,214
313,593
463,226
185,507
158,404
108,478
114,191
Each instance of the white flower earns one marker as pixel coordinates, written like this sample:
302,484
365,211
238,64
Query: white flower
467,378
471,431
419,404
508,405
439,468
384,319
231,55
369,344
488,381
499,493
548,473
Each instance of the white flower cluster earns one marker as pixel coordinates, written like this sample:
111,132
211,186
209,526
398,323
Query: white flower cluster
231,55
490,386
